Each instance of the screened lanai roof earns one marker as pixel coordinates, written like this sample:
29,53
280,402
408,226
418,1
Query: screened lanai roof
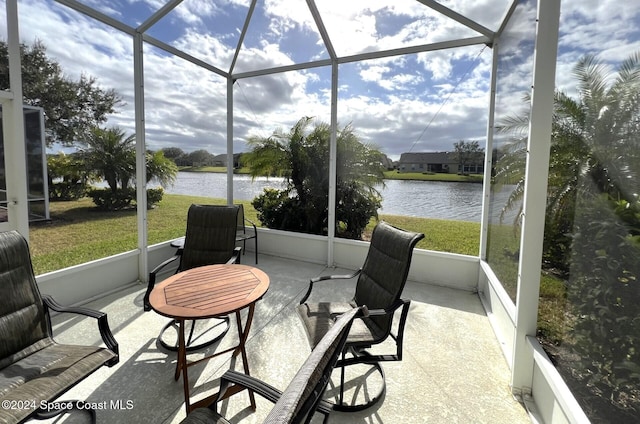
414,74
255,36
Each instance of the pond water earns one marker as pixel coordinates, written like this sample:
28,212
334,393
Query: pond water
426,199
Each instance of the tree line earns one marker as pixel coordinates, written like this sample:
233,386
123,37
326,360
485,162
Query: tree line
75,114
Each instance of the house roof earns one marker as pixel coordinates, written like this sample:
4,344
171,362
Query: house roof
427,157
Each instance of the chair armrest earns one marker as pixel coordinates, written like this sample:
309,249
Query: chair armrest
261,388
235,258
251,223
258,386
103,324
241,233
399,335
152,279
178,243
164,263
327,278
390,310
246,223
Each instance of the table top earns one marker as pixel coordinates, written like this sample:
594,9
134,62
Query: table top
209,291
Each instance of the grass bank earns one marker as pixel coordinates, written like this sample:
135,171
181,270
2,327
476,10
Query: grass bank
79,233
389,175
456,178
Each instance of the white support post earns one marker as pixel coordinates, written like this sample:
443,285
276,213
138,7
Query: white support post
333,155
141,165
535,192
230,141
488,156
15,163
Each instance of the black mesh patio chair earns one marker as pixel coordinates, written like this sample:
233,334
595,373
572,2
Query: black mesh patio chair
210,239
379,288
246,231
35,369
303,396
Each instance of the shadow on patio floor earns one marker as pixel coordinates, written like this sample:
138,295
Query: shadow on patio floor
453,370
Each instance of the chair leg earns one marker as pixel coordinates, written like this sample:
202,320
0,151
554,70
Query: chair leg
256,247
193,327
190,346
359,358
342,373
145,302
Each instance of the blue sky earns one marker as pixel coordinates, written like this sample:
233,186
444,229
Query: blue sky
424,102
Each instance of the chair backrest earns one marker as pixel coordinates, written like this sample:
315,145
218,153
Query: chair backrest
301,397
240,221
23,320
210,237
385,269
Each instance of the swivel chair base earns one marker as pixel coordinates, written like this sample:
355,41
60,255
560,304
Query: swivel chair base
359,384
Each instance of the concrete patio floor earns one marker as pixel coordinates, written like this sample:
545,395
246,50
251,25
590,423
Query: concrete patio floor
453,370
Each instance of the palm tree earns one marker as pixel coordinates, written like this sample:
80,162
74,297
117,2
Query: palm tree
111,156
160,168
301,156
594,145
592,227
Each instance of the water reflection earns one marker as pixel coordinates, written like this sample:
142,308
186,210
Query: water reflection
426,199
431,199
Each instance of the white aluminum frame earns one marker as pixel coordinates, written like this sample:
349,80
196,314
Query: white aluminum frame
529,369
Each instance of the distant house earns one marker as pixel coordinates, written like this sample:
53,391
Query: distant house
437,162
387,163
221,160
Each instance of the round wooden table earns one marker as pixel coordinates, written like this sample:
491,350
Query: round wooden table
208,292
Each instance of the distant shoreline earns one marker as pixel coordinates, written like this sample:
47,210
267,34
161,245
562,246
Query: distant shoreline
389,175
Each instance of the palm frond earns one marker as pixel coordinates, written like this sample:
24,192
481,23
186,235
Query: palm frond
516,125
592,79
629,71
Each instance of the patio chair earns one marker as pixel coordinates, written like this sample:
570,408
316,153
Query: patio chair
303,396
35,369
246,232
379,287
209,240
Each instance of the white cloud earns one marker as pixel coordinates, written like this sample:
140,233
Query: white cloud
390,101
374,73
195,11
207,48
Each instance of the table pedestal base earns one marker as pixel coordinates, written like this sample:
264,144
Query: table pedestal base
182,364
202,333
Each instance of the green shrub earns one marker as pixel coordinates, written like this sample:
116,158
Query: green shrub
605,292
67,191
67,177
354,209
108,200
276,209
154,196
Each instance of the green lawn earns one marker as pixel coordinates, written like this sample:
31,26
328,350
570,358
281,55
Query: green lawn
395,175
78,233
